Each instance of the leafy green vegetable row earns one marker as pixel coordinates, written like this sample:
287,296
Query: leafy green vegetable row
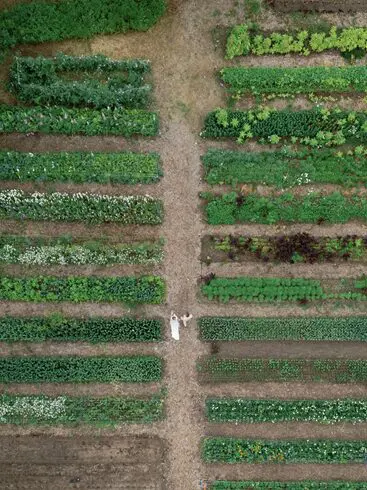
253,411
294,485
104,82
214,369
302,328
89,122
71,410
91,208
125,167
314,207
228,450
95,329
285,168
74,369
134,290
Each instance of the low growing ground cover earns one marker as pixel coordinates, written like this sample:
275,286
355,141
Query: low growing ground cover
292,485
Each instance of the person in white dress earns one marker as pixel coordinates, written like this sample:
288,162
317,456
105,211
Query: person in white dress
175,326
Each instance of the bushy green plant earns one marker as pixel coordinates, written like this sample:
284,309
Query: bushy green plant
294,485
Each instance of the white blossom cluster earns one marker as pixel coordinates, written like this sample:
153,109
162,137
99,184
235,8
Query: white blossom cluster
32,408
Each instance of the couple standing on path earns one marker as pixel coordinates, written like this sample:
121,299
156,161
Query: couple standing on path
175,324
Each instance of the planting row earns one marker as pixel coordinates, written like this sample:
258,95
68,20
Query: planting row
74,369
94,330
241,410
293,328
294,485
132,290
286,168
117,168
314,207
214,369
92,208
91,81
68,410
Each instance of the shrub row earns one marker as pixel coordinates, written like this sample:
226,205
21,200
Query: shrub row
293,485
74,369
252,411
213,369
285,168
91,208
245,39
104,82
68,410
315,127
89,122
42,21
117,168
314,207
303,328
229,450
288,81
94,330
134,290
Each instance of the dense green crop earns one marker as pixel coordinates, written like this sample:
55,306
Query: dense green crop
284,168
68,410
92,208
90,122
125,167
94,330
295,485
252,411
74,369
134,290
303,328
214,369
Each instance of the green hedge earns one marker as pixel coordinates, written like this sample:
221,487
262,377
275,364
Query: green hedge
314,207
134,290
284,168
288,81
91,208
98,81
89,122
228,450
69,410
74,369
304,328
295,485
214,369
125,167
41,21
94,330
253,411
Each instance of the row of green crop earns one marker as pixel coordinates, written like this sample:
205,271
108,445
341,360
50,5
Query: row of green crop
214,369
133,290
246,39
95,329
125,167
314,207
291,328
42,21
90,122
242,410
91,208
90,81
71,410
229,450
285,168
291,81
75,369
293,485
316,127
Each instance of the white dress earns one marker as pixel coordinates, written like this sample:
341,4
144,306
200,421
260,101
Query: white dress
175,328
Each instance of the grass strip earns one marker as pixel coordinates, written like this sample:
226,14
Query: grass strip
295,485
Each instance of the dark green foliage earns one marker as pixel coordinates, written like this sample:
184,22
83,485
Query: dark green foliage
253,411
94,330
296,485
118,168
90,122
228,450
74,369
303,328
213,369
134,290
284,168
